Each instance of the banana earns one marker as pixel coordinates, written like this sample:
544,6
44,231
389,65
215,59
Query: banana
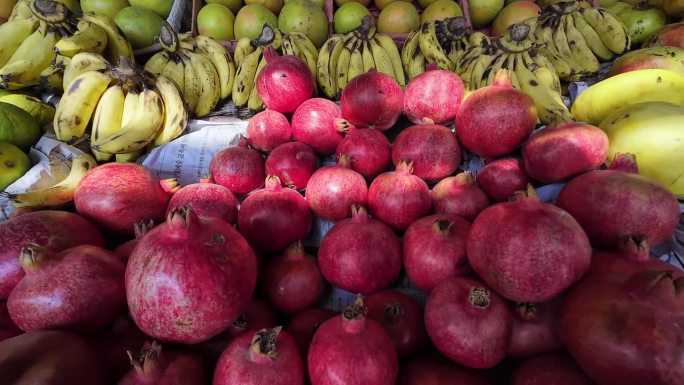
478,70
580,49
29,60
383,61
81,63
175,111
488,77
390,47
191,84
610,29
591,37
60,194
89,38
243,47
129,157
220,58
355,62
77,105
409,54
547,76
130,106
244,77
209,81
52,78
12,35
326,66
510,66
367,57
560,41
471,53
108,117
254,101
20,11
343,61
155,64
518,37
308,51
544,35
430,47
117,45
615,92
545,99
175,70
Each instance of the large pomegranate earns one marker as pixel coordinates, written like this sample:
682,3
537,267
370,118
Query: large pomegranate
369,151
293,163
188,279
207,200
54,230
353,350
318,123
372,100
332,190
434,250
433,97
527,250
268,129
500,178
303,325
495,120
468,322
80,289
459,195
402,318
285,82
168,368
125,249
421,370
549,369
113,343
361,255
432,148
238,168
116,196
534,329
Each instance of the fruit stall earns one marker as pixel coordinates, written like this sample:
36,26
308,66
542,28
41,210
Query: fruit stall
347,192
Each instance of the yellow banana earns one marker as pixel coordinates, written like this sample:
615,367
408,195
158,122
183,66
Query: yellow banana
545,99
78,104
343,61
544,34
221,60
191,84
355,62
431,48
52,78
244,77
155,64
129,157
210,86
412,59
81,63
20,11
29,60
243,47
107,118
326,66
560,41
383,61
304,46
175,111
117,45
12,34
497,64
390,47
612,31
475,79
597,46
175,70
579,47
89,38
367,56
254,101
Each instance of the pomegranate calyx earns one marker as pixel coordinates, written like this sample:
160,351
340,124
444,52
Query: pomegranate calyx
659,283
405,166
241,322
273,183
465,178
354,316
141,228
243,141
269,54
624,162
442,226
170,185
394,312
359,213
527,310
32,256
263,347
479,297
147,363
181,217
432,67
502,78
530,194
342,125
295,251
344,161
635,248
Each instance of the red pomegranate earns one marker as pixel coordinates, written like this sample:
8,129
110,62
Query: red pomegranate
258,315
369,151
207,200
124,250
168,368
495,120
402,318
113,343
459,195
303,325
372,100
433,97
421,370
268,129
432,148
293,163
284,82
534,329
318,123
549,369
332,190
501,178
238,168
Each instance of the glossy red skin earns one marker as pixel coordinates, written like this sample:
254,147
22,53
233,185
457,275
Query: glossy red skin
55,230
292,281
361,255
268,129
372,100
535,333
611,205
433,97
239,365
284,83
495,120
402,318
332,190
173,368
398,198
49,358
369,150
203,261
314,124
559,152
527,250
549,369
428,371
274,217
431,255
7,327
239,169
112,344
670,35
207,200
501,178
303,325
453,195
352,352
80,289
477,337
432,148
293,163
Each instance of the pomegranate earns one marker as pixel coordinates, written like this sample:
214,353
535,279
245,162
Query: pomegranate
549,369
7,327
361,255
79,289
352,349
468,322
459,195
495,120
527,250
501,178
369,151
372,100
399,198
422,370
189,278
292,281
561,151
238,168
402,318
124,250
207,200
285,82
303,326
293,163
332,190
275,217
434,250
54,230
115,196
268,129
318,123
534,326
433,97
611,205
169,368
111,345
432,148
257,315
269,356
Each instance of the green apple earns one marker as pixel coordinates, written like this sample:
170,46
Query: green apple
348,17
106,7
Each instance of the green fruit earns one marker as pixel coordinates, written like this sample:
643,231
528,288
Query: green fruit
348,17
106,7
13,164
160,7
320,3
140,26
18,126
642,20
482,12
216,21
398,17
307,18
425,3
249,22
42,112
273,5
4,92
233,5
440,10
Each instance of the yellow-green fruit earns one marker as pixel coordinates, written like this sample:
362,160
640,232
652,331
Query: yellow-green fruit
233,5
307,18
273,5
642,20
348,17
14,163
140,26
381,4
398,17
106,7
425,3
71,4
42,112
339,3
440,10
216,21
160,7
514,13
18,126
320,3
482,12
607,3
249,22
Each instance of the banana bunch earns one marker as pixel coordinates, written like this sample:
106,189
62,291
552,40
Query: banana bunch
442,42
129,110
35,41
201,68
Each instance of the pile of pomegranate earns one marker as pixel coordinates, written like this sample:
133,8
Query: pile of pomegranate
145,282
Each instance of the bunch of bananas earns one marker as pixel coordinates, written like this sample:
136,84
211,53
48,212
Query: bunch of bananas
41,34
201,68
442,42
342,57
129,110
